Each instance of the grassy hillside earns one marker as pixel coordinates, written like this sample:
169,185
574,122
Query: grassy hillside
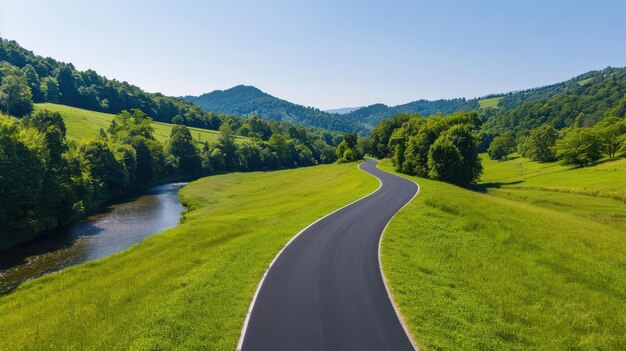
490,102
86,124
536,262
189,287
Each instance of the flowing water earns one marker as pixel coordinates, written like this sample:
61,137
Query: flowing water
120,226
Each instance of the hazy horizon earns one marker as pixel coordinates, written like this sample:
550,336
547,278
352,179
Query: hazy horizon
326,55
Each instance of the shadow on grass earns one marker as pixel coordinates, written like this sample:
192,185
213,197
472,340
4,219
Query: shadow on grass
484,187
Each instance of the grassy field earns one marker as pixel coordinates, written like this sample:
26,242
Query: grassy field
86,124
491,102
537,261
189,287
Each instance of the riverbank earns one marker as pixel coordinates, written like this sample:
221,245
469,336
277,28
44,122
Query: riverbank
189,287
121,225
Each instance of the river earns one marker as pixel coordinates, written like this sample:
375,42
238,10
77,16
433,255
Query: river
121,225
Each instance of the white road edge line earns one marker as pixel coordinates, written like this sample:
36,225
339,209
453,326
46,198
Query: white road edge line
258,289
380,264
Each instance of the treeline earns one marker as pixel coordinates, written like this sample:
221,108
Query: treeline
442,148
26,78
577,122
47,180
373,114
578,146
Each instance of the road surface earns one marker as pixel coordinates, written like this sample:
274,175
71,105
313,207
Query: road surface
325,291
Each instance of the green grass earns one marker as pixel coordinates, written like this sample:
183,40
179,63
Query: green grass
584,81
597,193
85,124
491,102
536,264
188,288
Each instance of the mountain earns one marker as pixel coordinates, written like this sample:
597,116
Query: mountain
343,110
247,100
585,97
372,114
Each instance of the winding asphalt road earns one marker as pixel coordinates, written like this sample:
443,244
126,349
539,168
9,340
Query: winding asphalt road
325,291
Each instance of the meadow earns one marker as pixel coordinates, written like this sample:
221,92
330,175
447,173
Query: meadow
534,260
85,124
490,102
186,288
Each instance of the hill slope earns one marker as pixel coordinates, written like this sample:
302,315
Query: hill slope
247,100
583,101
85,124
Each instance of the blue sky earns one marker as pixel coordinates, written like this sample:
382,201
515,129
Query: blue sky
323,53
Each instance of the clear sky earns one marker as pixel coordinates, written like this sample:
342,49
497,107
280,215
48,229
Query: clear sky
326,53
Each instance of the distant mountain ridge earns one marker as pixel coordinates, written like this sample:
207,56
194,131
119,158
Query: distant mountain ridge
248,100
500,111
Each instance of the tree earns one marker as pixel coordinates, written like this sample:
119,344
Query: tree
364,145
325,151
445,162
539,145
226,143
181,146
110,177
416,154
32,79
50,89
15,96
501,147
580,147
178,119
280,146
346,150
21,181
250,156
611,132
465,140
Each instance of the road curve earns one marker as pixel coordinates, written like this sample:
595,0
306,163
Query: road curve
325,291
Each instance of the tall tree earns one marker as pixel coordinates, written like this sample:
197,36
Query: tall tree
15,96
579,147
181,146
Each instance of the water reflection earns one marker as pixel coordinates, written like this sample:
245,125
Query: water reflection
120,226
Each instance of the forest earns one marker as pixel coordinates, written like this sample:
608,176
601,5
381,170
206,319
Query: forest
47,180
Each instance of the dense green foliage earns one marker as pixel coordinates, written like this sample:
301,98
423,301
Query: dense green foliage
49,80
443,148
348,150
246,100
582,102
188,288
502,146
47,180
